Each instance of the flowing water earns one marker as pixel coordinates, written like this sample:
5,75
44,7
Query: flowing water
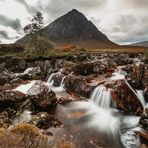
102,97
96,118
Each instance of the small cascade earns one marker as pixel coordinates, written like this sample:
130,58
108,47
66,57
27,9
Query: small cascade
141,97
62,82
50,80
102,97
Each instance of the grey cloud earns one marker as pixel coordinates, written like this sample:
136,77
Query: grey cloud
29,8
129,29
59,7
4,35
136,3
8,22
124,23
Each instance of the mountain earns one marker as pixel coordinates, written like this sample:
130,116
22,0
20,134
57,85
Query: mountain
74,28
141,44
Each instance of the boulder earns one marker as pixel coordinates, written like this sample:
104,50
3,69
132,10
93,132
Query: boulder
10,98
15,65
125,98
42,96
44,120
5,75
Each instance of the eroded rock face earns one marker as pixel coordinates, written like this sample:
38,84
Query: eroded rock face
42,96
125,98
144,118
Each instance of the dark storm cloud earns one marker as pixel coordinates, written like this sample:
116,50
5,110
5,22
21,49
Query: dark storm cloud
8,22
29,8
4,35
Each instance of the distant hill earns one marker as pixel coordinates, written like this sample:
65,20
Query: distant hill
74,28
141,44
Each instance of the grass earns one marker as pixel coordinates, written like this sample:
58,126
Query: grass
146,53
17,51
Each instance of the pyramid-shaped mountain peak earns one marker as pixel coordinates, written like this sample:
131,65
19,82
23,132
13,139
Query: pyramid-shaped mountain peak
74,27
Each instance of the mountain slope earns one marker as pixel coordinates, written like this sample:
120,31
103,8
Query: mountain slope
74,27
141,44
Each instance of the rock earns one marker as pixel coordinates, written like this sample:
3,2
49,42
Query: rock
144,118
138,76
125,98
78,85
11,98
5,75
42,96
4,119
44,121
15,65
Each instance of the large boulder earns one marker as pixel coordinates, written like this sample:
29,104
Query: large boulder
42,96
10,98
125,98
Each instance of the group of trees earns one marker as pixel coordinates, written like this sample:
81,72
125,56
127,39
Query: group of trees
39,41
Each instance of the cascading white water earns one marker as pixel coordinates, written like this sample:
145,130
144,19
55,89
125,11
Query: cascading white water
50,80
62,82
102,97
141,97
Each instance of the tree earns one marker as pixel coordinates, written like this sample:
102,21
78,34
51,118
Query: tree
34,31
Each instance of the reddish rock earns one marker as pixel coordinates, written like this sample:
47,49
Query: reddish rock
125,98
42,96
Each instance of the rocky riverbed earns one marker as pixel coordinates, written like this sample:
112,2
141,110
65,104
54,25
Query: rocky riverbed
88,100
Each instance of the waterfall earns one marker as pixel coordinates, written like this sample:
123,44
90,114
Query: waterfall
50,80
102,97
62,82
141,97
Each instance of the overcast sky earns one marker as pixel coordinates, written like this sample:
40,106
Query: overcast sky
123,21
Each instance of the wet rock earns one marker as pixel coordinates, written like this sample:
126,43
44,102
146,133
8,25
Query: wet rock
44,121
138,76
42,96
125,98
5,75
78,85
144,118
15,65
11,98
